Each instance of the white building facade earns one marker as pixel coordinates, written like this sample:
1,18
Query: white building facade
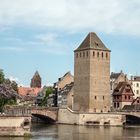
135,82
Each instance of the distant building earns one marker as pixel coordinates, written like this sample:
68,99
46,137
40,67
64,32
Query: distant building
116,78
60,84
122,95
92,76
135,106
41,94
36,81
62,81
135,81
65,96
136,101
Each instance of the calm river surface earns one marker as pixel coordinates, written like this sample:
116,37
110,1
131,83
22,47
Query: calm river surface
73,132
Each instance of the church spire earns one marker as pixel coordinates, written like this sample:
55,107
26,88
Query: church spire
36,80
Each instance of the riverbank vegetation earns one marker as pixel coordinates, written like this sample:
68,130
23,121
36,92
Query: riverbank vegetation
8,91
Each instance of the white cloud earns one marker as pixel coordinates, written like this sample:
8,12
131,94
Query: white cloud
75,15
14,79
11,48
49,38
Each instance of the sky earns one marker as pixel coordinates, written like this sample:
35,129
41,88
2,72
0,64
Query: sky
42,35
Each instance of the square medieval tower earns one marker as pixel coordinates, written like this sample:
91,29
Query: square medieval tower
91,76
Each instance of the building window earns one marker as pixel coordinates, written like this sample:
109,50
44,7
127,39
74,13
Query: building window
138,101
125,97
137,84
95,97
129,97
97,54
114,105
83,54
137,91
103,97
118,105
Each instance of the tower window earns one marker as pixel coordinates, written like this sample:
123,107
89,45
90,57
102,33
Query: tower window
106,55
76,55
102,54
80,54
93,53
87,54
97,54
95,97
103,97
83,54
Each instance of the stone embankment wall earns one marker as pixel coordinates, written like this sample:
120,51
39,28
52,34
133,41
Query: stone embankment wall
15,126
67,116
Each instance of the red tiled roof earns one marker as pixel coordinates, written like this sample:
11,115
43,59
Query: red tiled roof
28,91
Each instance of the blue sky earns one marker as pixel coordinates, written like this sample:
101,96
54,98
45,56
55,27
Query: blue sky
42,34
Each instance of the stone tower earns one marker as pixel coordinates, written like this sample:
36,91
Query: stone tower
36,81
91,76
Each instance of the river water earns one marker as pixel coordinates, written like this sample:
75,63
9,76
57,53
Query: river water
73,132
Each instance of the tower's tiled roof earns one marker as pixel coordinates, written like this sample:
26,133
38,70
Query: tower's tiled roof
92,41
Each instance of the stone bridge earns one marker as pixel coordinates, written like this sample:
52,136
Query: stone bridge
46,114
135,114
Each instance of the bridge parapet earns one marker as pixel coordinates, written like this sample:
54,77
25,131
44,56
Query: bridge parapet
46,112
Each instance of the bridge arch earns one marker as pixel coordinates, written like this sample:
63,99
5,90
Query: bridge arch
46,115
132,120
46,119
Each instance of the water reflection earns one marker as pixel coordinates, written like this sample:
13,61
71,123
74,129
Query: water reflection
73,132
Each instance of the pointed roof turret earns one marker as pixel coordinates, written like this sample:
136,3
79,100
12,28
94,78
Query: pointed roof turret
36,73
36,80
92,41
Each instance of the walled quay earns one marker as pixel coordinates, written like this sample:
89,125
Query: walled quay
16,121
15,125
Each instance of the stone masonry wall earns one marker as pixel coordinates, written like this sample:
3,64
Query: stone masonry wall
14,126
66,116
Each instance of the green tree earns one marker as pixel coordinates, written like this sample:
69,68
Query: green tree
1,76
49,91
4,101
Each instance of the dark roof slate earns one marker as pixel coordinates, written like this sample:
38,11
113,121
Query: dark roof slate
92,41
114,75
120,88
